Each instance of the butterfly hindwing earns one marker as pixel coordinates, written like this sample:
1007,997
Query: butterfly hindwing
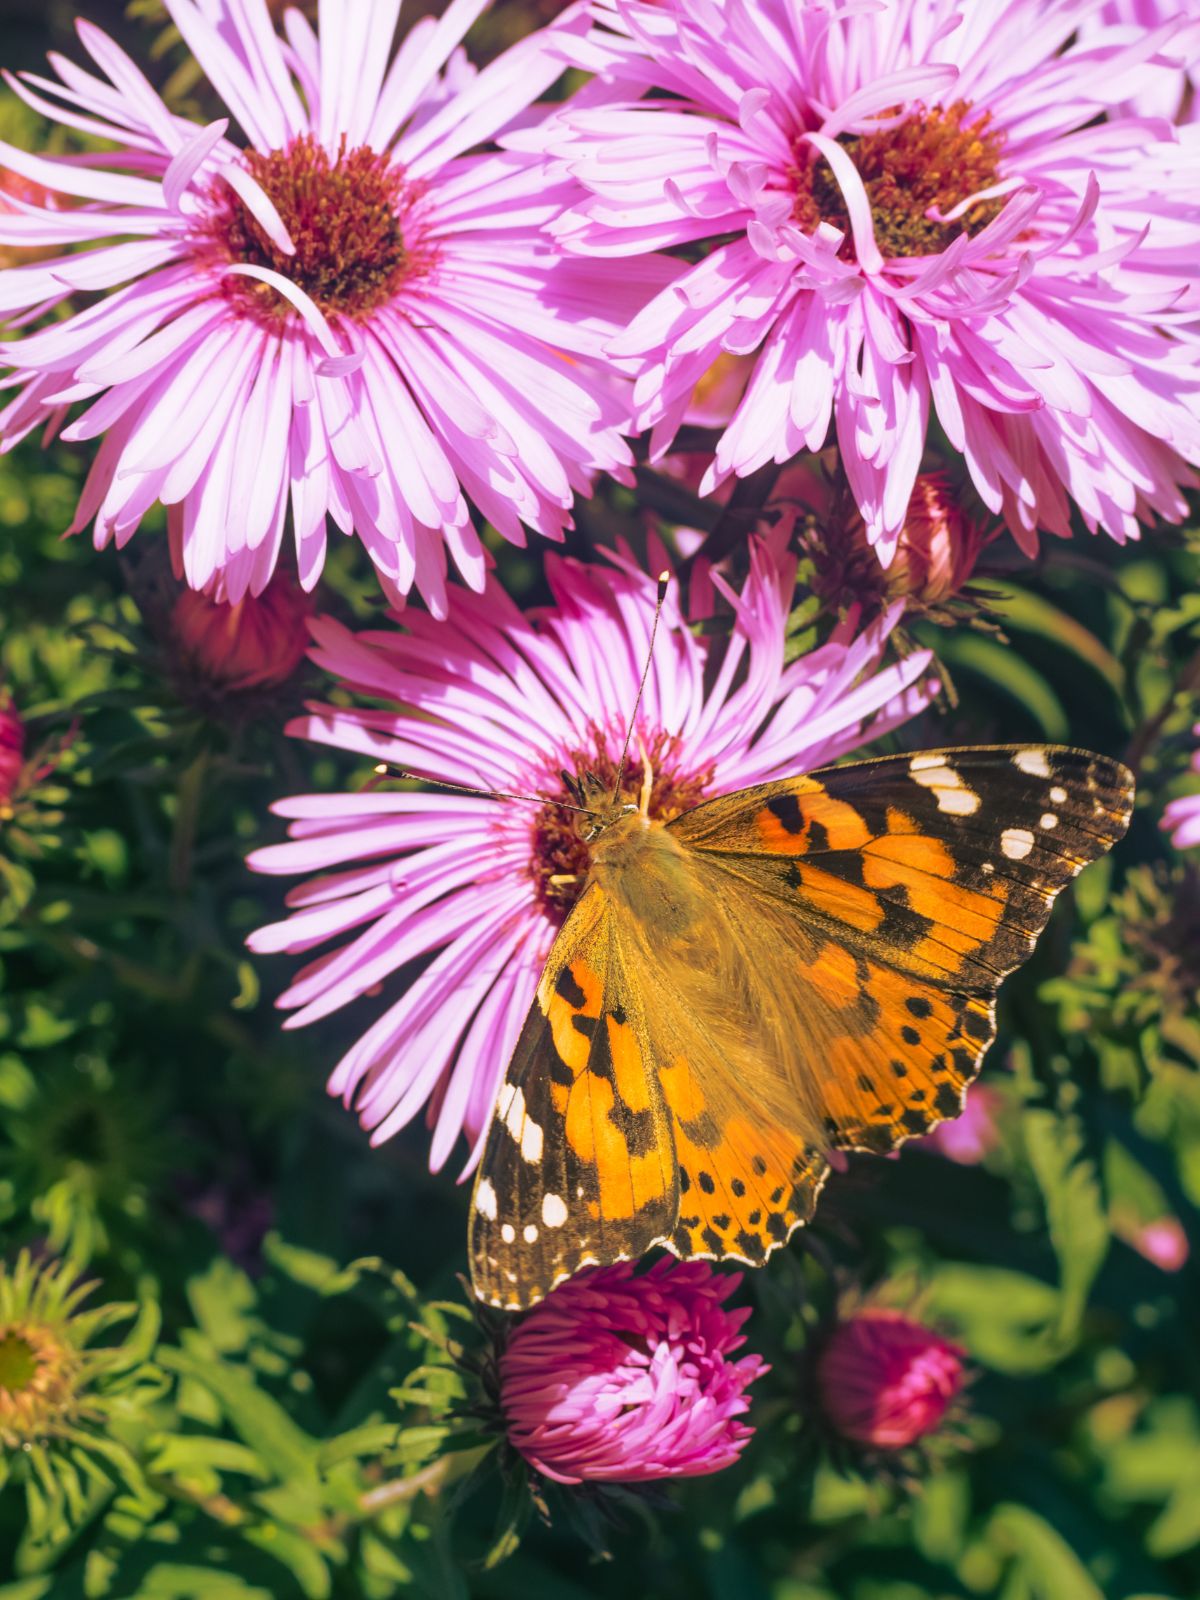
578,1166
746,1181
914,884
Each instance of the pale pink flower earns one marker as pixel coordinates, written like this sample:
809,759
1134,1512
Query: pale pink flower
908,208
885,1381
503,700
973,1134
353,316
1181,817
623,1377
1175,95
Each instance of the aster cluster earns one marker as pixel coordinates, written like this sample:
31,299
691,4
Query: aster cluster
875,289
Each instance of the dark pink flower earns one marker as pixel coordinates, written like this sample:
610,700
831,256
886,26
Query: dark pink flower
625,1377
970,1136
886,1381
12,748
254,643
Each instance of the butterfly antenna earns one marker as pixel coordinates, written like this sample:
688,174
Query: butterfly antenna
664,579
488,794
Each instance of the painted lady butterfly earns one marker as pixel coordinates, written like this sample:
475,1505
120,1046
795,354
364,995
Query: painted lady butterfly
803,966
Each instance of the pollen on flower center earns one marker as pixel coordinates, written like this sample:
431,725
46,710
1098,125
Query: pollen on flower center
344,215
559,850
936,158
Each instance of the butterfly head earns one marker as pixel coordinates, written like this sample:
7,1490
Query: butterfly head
591,793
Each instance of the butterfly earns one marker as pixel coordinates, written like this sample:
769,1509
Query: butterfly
804,966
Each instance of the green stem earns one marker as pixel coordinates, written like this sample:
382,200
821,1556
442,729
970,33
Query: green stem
1187,683
187,819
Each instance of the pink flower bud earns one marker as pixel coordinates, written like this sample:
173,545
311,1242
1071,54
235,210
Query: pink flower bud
939,544
12,749
625,1377
886,1381
256,644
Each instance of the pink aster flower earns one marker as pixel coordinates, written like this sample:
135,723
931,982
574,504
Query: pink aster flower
1182,817
354,315
477,887
906,208
885,1381
623,1378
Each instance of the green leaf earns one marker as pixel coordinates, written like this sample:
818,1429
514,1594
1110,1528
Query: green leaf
1003,668
1074,1209
1033,613
262,1423
1002,1316
373,1439
1047,1564
1178,1528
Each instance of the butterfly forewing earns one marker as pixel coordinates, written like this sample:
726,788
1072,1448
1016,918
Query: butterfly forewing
920,882
578,1167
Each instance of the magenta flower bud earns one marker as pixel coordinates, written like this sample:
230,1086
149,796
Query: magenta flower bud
625,1378
885,1381
12,749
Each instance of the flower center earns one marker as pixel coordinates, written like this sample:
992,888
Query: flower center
18,1362
344,216
561,858
936,157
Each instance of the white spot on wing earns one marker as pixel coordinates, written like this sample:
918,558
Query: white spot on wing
1048,820
531,1141
1058,795
554,1211
530,1233
508,1233
1033,762
485,1199
952,795
1016,843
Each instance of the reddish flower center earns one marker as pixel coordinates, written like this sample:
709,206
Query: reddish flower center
935,158
344,216
561,857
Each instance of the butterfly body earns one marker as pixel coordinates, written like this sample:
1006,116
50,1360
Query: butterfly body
803,966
